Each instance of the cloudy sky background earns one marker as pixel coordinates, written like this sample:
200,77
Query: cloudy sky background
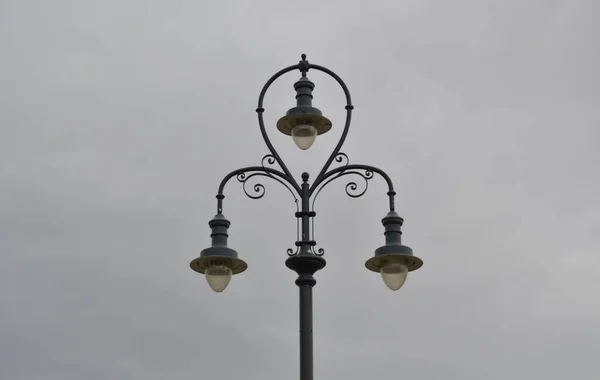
118,120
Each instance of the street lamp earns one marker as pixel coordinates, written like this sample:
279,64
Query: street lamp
304,123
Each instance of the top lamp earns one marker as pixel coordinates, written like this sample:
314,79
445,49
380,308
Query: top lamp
304,122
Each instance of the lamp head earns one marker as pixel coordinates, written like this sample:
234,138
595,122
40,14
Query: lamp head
304,122
393,260
218,262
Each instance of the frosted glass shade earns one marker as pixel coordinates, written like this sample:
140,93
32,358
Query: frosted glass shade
304,136
394,274
218,277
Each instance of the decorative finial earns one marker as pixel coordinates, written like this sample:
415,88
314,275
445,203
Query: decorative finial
303,65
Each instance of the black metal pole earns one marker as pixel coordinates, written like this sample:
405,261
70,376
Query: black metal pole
306,331
305,263
305,283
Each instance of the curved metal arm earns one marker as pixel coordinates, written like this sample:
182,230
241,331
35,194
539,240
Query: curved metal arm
280,177
260,110
349,169
349,107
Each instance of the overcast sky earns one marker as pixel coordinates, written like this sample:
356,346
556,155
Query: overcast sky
118,120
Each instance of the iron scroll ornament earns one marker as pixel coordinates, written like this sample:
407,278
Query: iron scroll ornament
302,193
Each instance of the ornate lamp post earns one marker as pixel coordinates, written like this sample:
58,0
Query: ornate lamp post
304,123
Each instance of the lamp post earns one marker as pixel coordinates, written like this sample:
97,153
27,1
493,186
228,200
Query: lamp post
304,123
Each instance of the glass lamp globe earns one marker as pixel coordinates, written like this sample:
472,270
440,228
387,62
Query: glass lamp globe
218,277
304,135
394,274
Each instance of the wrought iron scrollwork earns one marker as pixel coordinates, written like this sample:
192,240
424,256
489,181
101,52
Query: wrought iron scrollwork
352,187
258,188
342,158
257,191
319,252
269,158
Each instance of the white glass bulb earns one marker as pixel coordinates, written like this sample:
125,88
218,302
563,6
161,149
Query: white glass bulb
218,277
394,274
304,135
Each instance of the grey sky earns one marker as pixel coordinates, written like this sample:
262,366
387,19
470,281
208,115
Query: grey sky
119,119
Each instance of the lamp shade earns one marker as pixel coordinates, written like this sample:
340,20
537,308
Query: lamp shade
400,253
393,260
219,256
304,119
218,262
